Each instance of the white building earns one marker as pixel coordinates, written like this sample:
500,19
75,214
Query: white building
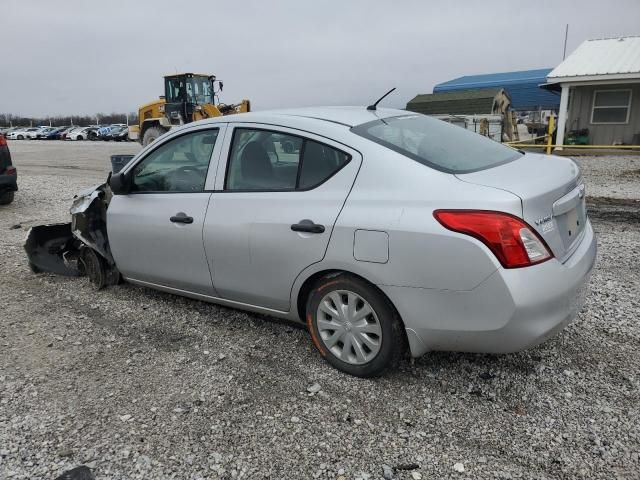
600,91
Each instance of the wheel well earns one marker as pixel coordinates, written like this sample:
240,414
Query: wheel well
146,125
308,284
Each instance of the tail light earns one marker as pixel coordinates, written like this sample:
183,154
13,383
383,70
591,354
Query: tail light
514,243
11,171
3,141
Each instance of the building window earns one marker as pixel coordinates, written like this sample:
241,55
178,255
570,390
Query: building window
611,106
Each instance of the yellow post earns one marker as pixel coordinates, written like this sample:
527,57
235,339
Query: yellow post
550,134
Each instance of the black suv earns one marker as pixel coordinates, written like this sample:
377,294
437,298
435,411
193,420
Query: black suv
8,174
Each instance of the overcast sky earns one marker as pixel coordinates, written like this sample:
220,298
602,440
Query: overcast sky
88,56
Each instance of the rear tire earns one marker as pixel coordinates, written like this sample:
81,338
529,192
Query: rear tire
6,198
79,137
151,135
368,337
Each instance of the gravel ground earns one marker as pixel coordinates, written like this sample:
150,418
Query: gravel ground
612,176
139,384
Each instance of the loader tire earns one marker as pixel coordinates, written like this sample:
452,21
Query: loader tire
151,135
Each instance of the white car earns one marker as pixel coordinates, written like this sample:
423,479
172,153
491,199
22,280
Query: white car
81,133
35,132
24,134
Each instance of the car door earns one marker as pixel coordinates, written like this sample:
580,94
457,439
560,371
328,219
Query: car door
278,194
155,231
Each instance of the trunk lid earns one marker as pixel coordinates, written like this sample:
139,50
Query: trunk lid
552,195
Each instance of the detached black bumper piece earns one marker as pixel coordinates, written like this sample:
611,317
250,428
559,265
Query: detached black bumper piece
53,248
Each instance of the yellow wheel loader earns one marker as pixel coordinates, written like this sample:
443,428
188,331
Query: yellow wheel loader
187,97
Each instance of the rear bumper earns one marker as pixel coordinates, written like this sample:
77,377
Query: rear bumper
8,183
511,310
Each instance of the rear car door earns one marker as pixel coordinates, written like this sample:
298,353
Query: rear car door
155,231
276,201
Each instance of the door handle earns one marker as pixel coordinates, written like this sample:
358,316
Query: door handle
307,226
181,218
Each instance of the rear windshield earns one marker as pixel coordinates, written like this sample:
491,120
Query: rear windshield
437,144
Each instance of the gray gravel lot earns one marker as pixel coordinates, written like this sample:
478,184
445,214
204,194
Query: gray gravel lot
139,384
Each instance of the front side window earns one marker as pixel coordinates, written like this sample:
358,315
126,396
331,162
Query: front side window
437,144
179,165
611,106
175,90
263,160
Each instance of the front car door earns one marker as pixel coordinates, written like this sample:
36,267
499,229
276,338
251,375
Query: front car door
278,194
155,231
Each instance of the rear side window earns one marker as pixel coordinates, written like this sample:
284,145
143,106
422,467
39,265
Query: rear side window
264,160
437,144
320,162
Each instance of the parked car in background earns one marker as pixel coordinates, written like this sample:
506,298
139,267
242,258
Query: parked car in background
63,133
377,229
121,135
79,133
117,133
8,174
32,133
105,130
7,130
22,133
53,134
15,134
92,132
43,132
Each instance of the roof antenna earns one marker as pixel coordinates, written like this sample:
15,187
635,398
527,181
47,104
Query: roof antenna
373,107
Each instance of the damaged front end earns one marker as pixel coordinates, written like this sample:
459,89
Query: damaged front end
80,247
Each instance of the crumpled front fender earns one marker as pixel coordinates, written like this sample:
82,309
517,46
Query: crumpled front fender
69,248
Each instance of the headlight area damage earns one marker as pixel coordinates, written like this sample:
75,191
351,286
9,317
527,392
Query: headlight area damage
80,247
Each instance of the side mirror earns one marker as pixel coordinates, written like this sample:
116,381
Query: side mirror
119,183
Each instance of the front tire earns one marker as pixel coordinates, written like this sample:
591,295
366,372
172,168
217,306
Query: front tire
354,326
151,134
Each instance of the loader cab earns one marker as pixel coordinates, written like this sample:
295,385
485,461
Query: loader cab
185,92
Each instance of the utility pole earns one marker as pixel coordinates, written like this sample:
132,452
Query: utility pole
566,35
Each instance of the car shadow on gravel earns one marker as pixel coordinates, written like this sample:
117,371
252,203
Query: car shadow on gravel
607,209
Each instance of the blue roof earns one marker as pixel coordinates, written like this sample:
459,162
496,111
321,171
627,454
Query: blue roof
522,87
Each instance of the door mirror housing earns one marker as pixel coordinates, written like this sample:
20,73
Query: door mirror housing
120,183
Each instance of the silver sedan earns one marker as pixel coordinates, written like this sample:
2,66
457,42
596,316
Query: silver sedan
383,231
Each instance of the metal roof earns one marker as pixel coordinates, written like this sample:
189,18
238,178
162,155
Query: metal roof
522,86
493,80
611,57
464,102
